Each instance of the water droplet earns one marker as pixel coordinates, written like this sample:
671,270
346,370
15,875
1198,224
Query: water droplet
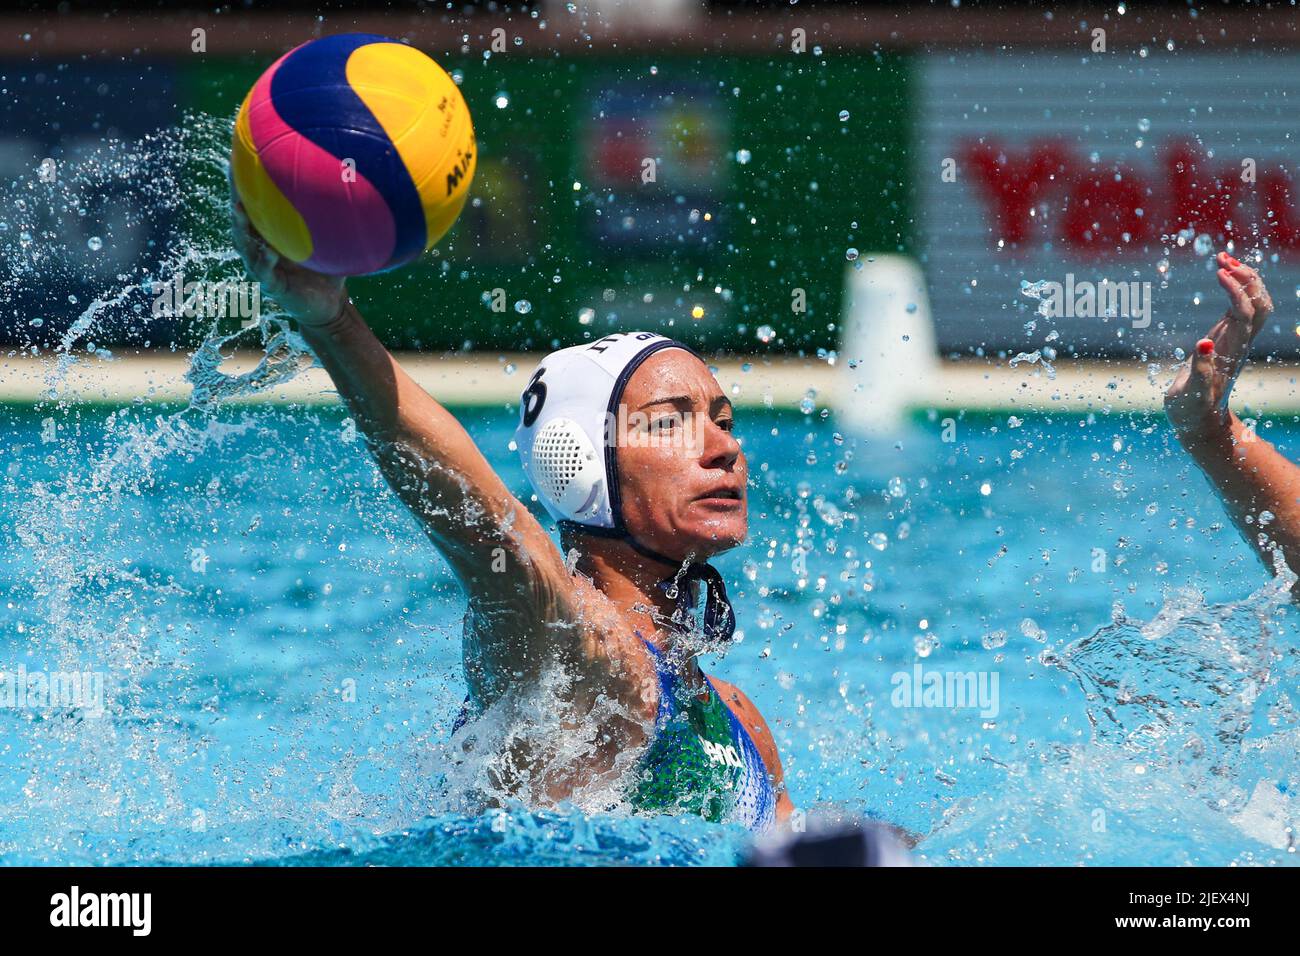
851,254
743,156
523,307
1029,627
765,333
94,243
586,316
993,640
502,100
844,116
1144,125
1203,245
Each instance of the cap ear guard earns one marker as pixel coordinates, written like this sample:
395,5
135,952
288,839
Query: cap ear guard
567,469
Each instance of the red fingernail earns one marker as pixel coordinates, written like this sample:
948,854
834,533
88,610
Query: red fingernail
1205,347
1234,262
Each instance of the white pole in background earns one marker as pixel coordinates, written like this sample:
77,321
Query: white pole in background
887,347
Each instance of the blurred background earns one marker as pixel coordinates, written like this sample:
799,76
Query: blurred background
793,142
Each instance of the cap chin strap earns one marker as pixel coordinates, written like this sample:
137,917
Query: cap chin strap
719,619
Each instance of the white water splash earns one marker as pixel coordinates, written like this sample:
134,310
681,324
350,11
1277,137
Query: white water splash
1192,745
78,530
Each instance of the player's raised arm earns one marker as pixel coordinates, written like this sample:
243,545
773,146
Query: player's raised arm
1253,478
424,452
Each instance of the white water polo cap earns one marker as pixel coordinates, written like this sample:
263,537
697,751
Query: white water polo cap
567,420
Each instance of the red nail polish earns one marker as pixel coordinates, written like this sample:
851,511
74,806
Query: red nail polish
1235,263
1205,347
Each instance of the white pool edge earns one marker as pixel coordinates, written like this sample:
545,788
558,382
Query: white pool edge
969,384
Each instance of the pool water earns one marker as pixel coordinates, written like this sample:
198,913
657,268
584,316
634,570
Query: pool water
281,646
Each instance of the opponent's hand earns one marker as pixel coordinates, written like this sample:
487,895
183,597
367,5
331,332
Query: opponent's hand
312,298
1197,401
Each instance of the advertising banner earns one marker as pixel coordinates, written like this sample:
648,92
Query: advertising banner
1074,202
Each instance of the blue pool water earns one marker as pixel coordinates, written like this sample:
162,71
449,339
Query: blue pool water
281,646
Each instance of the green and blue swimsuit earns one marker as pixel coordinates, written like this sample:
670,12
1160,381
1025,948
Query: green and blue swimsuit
702,759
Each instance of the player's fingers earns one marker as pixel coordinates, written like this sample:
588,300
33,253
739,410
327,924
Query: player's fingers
1201,376
1240,271
1219,330
1259,297
245,241
239,229
245,226
1237,295
259,255
242,240
1250,280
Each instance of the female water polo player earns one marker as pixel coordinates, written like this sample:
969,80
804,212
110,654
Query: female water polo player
1250,475
628,443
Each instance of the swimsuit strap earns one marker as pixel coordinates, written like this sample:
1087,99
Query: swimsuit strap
667,683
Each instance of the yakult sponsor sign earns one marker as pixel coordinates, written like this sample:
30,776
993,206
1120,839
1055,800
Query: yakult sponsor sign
1077,171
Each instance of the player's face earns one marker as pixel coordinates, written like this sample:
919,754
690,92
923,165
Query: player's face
682,473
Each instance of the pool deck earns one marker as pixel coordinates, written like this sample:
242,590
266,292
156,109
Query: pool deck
487,379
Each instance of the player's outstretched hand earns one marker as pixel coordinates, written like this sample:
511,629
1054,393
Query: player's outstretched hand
312,298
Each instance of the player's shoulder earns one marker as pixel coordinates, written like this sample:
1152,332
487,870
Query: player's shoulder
733,695
741,706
